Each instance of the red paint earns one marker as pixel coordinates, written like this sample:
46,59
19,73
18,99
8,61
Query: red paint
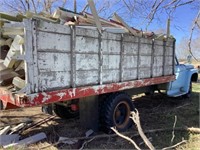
75,93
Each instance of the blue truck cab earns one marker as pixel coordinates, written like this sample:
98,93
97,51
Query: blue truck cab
182,85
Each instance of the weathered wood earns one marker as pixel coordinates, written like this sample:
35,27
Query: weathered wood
6,16
8,139
5,130
18,127
2,67
12,31
49,61
6,76
96,17
126,26
18,82
14,50
5,42
30,140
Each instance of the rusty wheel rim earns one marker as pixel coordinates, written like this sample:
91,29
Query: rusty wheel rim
121,114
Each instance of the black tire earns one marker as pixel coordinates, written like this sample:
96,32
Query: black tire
189,93
65,112
115,112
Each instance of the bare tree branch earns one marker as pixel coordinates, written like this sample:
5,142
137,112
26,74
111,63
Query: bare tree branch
125,137
185,3
34,7
135,117
173,135
191,35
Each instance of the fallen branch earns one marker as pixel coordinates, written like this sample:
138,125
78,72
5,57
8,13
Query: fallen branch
133,134
173,135
135,117
86,142
125,137
40,122
174,146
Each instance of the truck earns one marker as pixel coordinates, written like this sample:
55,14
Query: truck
77,71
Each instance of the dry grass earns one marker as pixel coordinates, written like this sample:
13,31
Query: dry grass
155,112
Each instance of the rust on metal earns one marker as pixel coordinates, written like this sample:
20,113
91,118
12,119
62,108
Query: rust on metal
74,93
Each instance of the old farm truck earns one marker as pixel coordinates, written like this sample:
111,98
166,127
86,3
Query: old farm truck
76,70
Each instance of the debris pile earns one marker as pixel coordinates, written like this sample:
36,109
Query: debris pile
12,65
10,136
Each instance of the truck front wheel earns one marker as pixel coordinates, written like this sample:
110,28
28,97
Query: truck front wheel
115,112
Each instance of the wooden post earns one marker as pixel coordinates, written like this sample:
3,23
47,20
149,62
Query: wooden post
168,28
75,9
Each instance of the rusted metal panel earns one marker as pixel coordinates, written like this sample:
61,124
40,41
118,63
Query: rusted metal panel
68,94
73,93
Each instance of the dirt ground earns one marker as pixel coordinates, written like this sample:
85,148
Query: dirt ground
156,112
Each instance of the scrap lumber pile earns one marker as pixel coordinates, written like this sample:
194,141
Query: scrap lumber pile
10,136
12,66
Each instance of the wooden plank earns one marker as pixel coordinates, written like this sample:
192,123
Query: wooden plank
12,31
29,140
5,130
18,82
8,139
126,26
14,50
18,127
96,17
5,42
2,67
6,76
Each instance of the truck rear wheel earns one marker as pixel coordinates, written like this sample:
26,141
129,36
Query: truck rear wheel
115,112
65,112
